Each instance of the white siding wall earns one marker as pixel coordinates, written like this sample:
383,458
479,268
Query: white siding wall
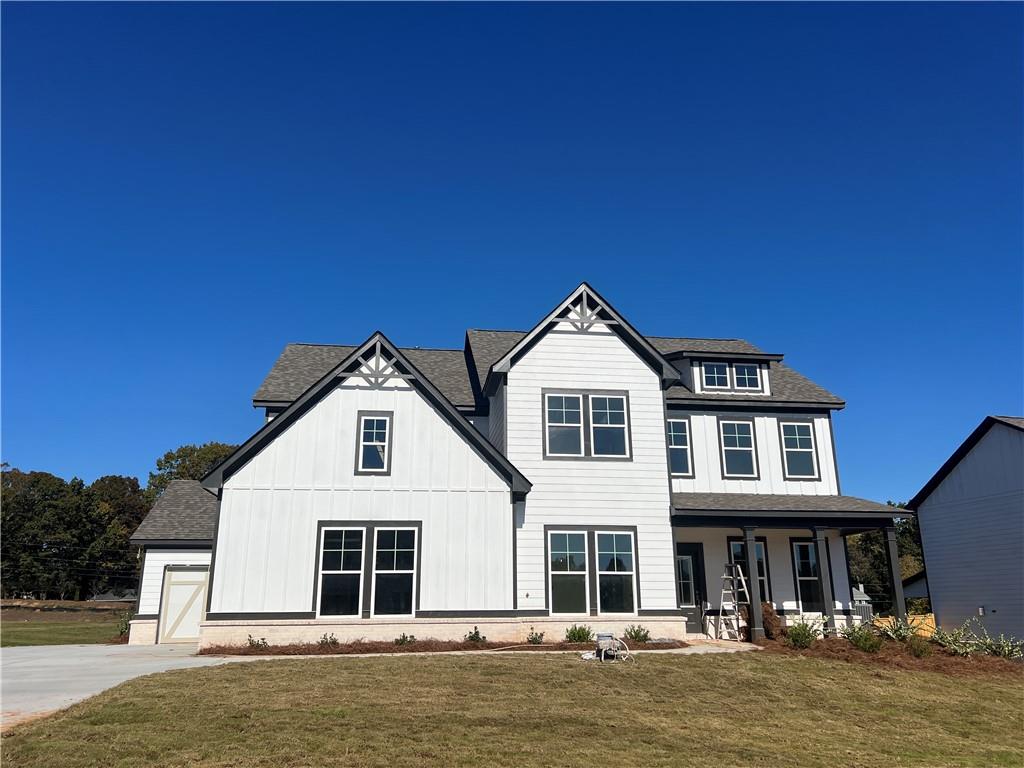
266,547
590,492
780,563
707,461
151,582
972,529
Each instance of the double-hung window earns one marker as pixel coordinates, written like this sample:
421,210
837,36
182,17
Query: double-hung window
738,554
679,447
716,375
746,376
564,425
686,581
808,576
608,425
798,452
341,571
568,572
394,571
615,573
373,453
739,455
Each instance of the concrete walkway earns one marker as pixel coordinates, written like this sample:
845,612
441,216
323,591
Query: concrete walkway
37,680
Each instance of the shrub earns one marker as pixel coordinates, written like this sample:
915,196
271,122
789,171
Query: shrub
124,623
1006,647
328,641
637,634
863,637
535,638
404,639
803,633
918,646
475,636
261,643
897,629
959,642
575,634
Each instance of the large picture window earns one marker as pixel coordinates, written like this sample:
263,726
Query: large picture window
608,425
341,571
798,450
738,554
679,447
808,577
564,425
568,572
394,571
616,573
373,452
739,457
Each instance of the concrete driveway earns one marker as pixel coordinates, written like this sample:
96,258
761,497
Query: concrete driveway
38,679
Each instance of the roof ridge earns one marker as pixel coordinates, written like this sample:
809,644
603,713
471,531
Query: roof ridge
698,338
314,344
496,330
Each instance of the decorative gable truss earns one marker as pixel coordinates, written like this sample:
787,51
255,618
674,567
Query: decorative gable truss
376,364
584,311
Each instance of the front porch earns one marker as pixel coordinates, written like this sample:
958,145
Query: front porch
795,544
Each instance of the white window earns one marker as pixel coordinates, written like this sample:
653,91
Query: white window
739,458
616,570
738,554
394,571
608,425
808,577
798,450
746,376
679,447
374,444
341,571
567,581
685,581
564,425
716,375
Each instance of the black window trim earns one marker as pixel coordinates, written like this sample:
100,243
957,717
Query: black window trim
725,419
763,540
816,454
689,447
592,583
796,582
318,586
360,415
585,417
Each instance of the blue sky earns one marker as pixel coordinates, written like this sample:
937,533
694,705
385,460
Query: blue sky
187,187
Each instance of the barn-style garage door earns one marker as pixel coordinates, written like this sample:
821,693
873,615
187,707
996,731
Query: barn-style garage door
183,604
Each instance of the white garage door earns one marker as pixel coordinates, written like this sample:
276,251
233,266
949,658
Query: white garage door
183,604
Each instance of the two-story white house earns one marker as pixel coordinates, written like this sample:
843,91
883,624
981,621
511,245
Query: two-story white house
579,472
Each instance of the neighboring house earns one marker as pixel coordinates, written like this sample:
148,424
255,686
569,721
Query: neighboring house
916,586
971,515
579,472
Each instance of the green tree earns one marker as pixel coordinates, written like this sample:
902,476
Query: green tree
189,462
869,558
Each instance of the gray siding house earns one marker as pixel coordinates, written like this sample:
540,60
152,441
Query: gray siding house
971,515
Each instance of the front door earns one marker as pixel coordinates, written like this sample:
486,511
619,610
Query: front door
183,603
690,588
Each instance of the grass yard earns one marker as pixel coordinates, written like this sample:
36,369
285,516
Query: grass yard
52,623
537,710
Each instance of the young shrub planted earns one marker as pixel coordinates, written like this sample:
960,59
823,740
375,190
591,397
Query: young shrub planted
404,639
803,633
863,637
579,634
124,623
328,641
897,630
638,633
919,647
535,638
959,642
261,643
475,636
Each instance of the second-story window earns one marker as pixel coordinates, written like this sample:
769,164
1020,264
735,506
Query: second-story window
586,425
739,457
608,425
747,376
799,459
373,453
565,425
679,447
716,375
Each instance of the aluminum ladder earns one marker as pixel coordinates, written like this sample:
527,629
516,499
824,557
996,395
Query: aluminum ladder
727,624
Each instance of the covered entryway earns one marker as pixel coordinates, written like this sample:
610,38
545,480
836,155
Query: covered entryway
182,603
690,586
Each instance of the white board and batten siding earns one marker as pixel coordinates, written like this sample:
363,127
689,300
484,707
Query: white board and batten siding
267,548
156,560
972,530
587,492
707,457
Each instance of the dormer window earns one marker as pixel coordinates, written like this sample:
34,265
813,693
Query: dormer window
747,376
716,375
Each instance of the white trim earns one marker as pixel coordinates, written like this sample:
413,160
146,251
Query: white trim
715,387
722,449
813,450
320,569
415,564
693,582
757,375
585,573
632,573
548,424
689,448
624,426
363,443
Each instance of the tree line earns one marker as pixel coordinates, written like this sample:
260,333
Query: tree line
68,540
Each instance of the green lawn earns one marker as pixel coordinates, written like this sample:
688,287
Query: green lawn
536,710
13,633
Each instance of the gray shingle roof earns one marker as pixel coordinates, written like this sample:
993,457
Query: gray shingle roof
775,502
1010,421
300,366
668,345
185,511
787,386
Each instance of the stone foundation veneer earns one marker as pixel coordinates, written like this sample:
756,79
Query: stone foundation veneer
142,632
504,630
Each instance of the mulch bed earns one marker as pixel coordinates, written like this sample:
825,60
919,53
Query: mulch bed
896,655
417,646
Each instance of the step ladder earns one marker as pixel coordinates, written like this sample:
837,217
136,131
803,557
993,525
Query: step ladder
727,625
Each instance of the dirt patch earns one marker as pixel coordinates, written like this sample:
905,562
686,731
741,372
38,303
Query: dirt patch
61,610
417,646
896,655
